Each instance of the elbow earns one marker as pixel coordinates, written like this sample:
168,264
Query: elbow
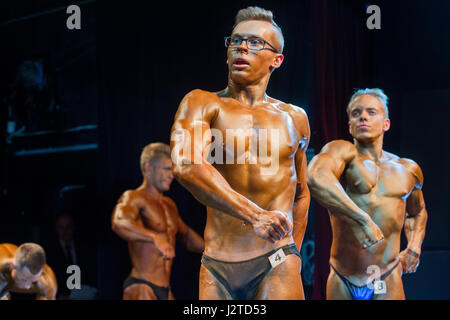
116,227
201,246
311,179
302,191
177,170
315,185
425,217
197,248
306,193
181,172
120,231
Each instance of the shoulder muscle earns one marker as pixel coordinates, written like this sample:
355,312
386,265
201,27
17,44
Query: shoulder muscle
414,169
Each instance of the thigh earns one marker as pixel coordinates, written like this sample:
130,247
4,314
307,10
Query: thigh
139,292
336,288
394,287
210,288
283,282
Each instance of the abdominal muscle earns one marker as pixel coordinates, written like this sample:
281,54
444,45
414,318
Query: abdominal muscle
347,254
148,263
228,238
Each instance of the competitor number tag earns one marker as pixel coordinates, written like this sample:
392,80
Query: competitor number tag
379,286
277,258
5,295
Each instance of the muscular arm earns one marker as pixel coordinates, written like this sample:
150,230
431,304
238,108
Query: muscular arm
127,224
190,140
47,286
185,235
125,219
324,172
190,239
302,195
416,220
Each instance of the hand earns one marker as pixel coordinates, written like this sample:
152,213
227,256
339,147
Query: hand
369,234
272,225
410,260
166,249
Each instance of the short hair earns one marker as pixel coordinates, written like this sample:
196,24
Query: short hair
153,152
257,13
30,255
375,92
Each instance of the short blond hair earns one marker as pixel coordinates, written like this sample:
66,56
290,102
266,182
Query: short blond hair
260,14
375,92
30,255
153,152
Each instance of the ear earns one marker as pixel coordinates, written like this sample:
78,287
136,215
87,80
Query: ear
386,125
349,128
278,61
146,167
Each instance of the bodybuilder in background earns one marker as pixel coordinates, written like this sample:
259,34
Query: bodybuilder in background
371,195
255,189
23,270
149,221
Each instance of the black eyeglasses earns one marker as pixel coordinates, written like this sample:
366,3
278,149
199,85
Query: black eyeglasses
254,43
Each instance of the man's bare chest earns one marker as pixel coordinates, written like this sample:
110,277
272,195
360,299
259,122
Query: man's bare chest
158,216
247,136
366,178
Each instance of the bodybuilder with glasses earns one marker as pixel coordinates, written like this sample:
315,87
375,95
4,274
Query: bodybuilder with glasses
256,211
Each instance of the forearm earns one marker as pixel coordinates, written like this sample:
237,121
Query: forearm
133,232
330,194
194,242
415,230
300,216
48,292
210,188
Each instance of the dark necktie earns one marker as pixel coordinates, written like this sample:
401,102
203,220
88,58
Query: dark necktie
69,255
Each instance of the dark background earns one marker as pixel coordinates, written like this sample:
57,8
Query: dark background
116,84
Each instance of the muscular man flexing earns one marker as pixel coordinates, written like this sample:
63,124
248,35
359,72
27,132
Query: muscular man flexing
256,198
23,270
149,221
370,194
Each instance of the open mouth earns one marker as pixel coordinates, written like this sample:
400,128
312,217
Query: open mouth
240,63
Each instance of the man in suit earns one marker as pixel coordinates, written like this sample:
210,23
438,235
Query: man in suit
67,250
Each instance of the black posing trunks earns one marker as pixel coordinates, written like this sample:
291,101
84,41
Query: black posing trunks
242,279
162,293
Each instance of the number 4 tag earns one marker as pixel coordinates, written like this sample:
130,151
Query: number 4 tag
277,258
